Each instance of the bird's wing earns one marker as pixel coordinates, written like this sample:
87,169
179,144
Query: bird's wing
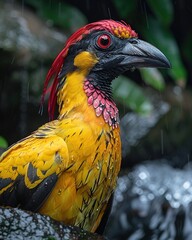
30,168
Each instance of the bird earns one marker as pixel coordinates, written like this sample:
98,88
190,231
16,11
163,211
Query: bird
68,168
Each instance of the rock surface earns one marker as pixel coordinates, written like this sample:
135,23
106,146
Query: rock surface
24,37
20,225
153,202
135,127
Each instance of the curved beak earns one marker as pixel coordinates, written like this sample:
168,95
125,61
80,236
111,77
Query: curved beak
139,54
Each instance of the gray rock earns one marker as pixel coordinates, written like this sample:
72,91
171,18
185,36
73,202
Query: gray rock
134,127
20,225
25,37
153,202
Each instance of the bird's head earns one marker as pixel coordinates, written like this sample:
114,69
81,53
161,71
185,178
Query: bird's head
103,50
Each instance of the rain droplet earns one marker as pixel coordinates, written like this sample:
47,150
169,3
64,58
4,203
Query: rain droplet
142,175
186,184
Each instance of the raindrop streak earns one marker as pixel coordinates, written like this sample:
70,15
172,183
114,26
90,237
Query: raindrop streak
109,13
13,60
162,142
59,9
188,158
87,5
146,17
23,102
143,6
22,7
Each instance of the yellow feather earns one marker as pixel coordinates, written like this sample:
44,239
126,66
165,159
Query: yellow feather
86,166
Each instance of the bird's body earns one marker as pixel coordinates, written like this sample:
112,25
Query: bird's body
80,148
68,168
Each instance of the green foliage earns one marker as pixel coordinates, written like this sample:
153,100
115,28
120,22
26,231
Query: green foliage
125,9
162,38
163,10
131,95
60,13
3,142
187,49
153,77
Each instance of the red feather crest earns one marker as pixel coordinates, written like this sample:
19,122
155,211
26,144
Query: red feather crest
119,29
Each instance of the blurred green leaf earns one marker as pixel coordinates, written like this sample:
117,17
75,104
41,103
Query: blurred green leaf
187,50
131,95
124,8
163,10
153,77
163,39
62,14
3,142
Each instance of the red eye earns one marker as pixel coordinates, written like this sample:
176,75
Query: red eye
104,41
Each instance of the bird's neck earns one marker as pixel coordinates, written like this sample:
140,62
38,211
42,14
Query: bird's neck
80,97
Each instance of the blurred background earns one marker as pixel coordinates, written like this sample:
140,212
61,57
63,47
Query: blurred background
155,105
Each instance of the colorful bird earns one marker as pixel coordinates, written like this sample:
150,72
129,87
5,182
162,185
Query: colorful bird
68,168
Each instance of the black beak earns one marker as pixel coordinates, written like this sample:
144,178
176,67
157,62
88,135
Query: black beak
139,54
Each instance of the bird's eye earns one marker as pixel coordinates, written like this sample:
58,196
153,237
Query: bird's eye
104,41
